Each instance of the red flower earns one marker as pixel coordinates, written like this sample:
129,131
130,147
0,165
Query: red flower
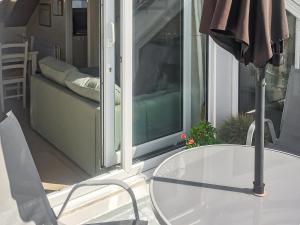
191,141
183,136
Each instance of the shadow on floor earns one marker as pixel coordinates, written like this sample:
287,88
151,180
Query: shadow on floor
55,169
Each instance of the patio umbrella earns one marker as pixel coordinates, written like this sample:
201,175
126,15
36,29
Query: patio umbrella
254,32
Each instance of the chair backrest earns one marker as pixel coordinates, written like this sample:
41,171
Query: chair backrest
289,139
22,197
31,46
13,56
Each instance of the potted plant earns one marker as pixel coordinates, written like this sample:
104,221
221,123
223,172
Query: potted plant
234,130
201,134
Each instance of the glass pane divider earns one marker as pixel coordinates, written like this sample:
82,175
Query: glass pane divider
126,82
212,82
109,155
297,44
187,69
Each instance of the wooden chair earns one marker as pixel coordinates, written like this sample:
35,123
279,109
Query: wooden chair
13,67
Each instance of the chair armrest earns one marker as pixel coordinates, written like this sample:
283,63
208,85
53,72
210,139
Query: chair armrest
252,129
250,134
99,183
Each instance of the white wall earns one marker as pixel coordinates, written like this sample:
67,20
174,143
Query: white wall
11,34
93,32
54,35
223,85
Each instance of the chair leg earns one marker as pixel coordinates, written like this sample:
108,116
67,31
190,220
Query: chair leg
18,89
24,94
2,98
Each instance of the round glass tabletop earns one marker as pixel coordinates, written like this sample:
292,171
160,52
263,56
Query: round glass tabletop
213,185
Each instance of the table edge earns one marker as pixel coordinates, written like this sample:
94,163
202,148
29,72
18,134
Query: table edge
159,215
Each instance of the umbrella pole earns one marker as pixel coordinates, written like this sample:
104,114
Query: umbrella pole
259,185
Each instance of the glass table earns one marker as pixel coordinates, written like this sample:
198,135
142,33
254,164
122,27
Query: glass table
212,185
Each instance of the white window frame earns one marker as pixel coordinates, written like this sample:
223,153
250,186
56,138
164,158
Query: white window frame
212,82
108,68
127,151
174,139
126,82
213,58
293,6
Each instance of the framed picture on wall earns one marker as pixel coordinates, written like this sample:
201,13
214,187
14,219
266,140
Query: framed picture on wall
45,14
58,8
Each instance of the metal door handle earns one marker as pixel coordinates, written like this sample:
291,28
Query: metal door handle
111,43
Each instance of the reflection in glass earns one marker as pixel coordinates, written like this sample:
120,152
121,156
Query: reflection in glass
198,66
158,70
276,79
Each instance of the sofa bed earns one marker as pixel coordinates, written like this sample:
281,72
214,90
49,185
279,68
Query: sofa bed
65,110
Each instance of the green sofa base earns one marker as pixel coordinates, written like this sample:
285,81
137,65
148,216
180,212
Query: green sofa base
70,122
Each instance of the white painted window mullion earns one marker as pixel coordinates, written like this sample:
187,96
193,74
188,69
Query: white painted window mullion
297,44
126,82
212,83
187,66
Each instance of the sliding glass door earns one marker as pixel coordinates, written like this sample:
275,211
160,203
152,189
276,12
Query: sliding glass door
154,55
159,75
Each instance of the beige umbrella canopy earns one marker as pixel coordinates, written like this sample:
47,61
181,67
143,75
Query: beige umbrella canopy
252,30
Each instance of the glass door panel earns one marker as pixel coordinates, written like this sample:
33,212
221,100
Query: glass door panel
154,67
158,81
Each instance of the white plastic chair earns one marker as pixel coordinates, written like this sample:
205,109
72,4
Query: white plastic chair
289,139
22,197
13,68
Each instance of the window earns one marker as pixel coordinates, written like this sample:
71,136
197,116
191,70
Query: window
276,79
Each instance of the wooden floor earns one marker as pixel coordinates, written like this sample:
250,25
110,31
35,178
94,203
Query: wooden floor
55,169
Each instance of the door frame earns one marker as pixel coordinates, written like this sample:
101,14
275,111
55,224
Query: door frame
107,18
173,139
126,70
293,6
110,156
128,151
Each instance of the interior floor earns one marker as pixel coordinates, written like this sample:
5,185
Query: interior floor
55,169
